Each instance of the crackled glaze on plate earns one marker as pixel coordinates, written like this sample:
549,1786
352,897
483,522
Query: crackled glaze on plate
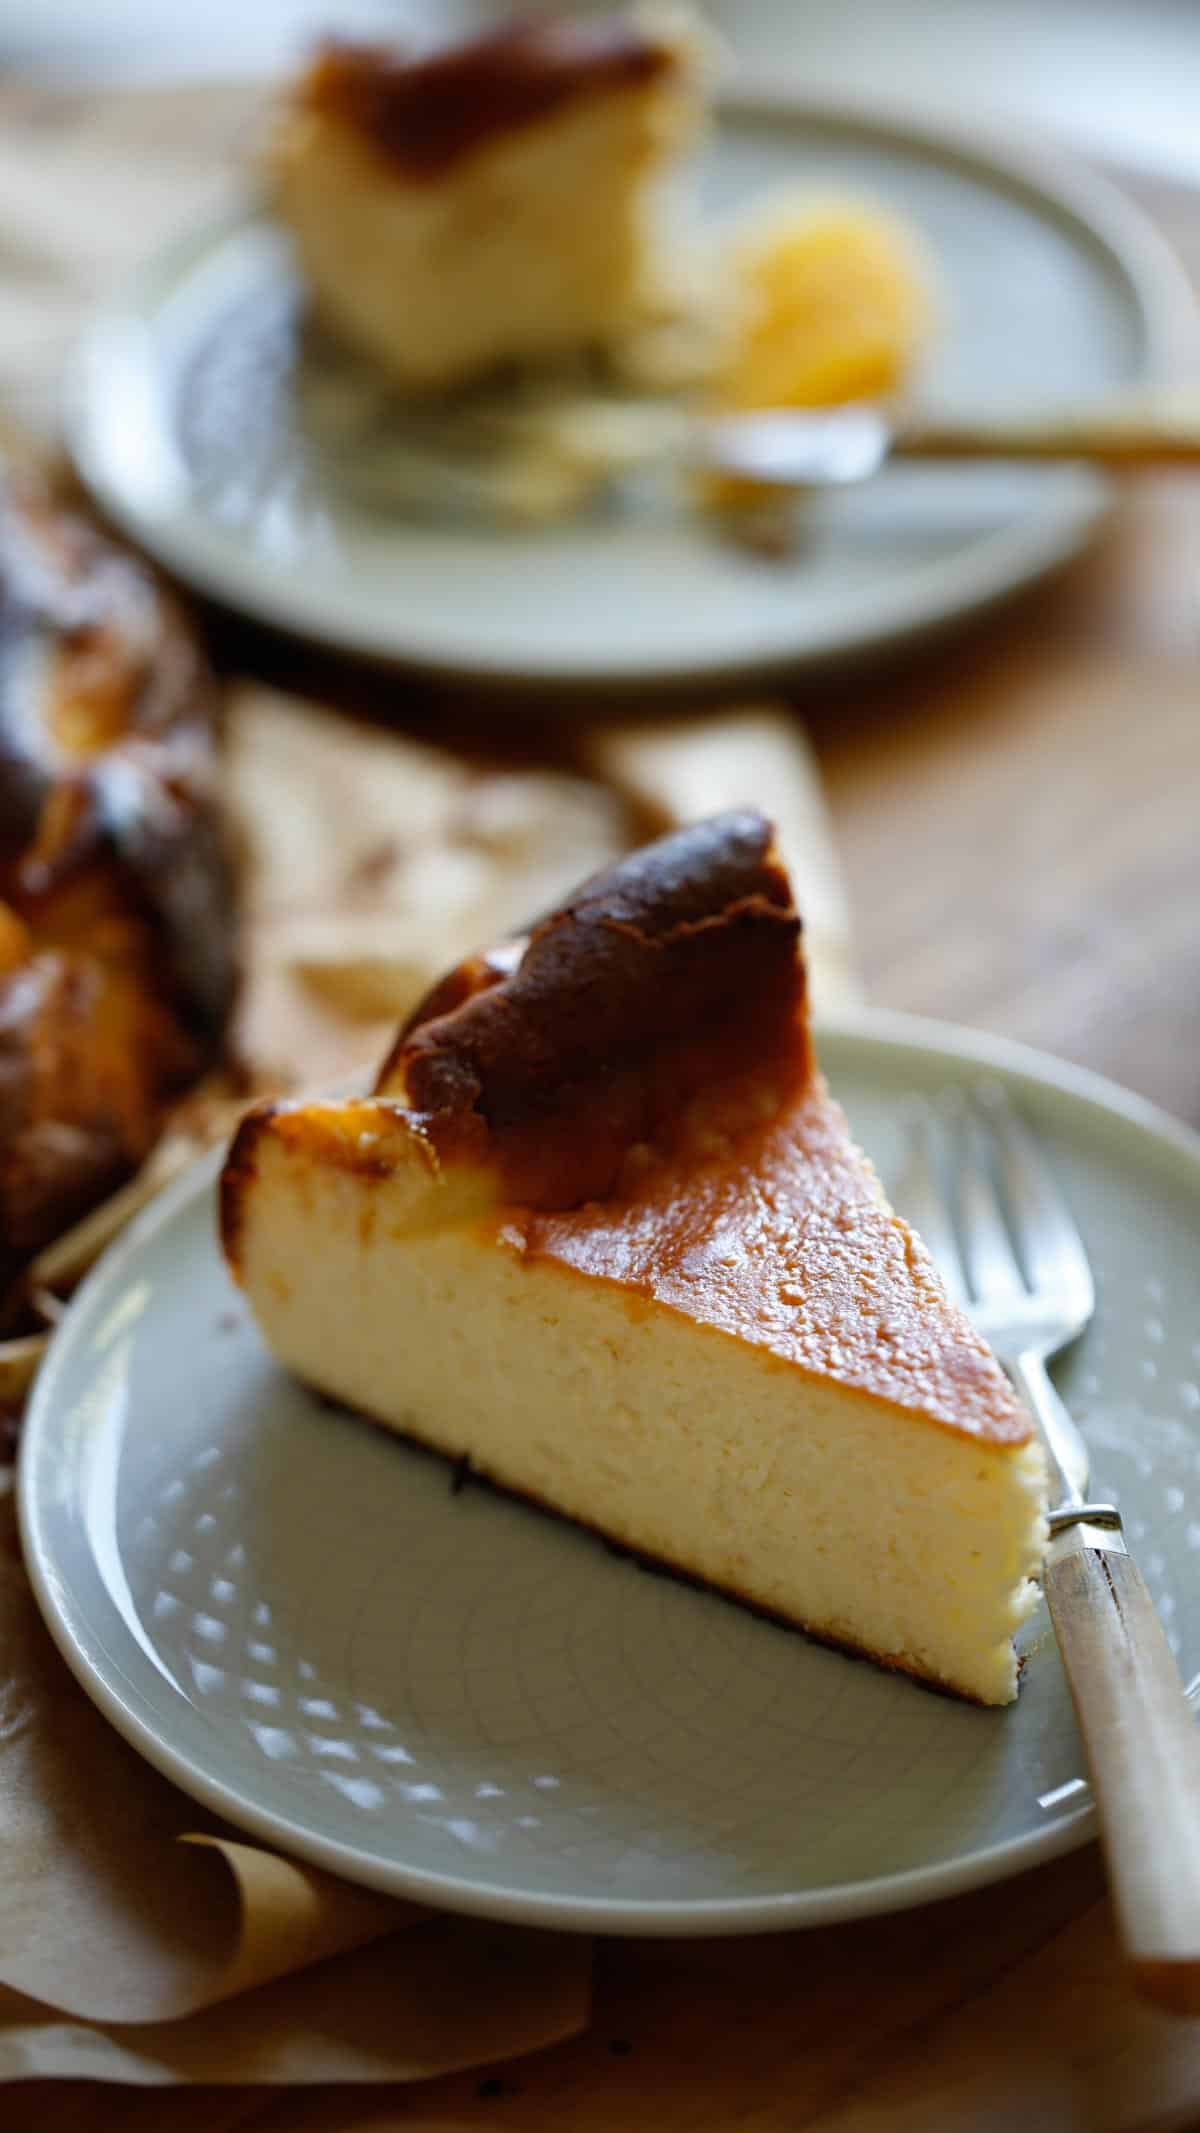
188,422
451,1695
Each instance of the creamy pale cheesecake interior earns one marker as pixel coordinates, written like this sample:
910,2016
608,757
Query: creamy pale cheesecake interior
602,1231
496,202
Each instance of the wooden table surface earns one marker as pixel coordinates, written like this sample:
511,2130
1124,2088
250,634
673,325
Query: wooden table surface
1018,818
1018,814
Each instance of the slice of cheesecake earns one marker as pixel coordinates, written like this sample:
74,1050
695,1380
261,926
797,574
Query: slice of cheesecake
602,1231
492,203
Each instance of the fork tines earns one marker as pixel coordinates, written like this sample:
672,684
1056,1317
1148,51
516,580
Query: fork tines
979,1191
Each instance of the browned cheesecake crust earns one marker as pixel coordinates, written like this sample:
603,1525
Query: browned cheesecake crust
556,1059
426,113
673,973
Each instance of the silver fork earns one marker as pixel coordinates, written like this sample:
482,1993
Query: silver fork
1008,1251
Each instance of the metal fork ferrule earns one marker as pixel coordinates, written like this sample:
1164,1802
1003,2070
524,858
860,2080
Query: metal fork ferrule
1091,1514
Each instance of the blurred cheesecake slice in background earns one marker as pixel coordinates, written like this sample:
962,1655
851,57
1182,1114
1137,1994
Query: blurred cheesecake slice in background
495,202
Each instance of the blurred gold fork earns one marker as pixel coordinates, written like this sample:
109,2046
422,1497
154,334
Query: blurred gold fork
833,447
1008,1250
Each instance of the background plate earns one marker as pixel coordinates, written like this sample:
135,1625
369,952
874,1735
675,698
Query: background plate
185,424
455,1697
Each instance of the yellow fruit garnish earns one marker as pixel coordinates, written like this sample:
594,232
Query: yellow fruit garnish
832,300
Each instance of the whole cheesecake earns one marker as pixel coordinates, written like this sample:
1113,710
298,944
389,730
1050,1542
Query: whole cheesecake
116,890
602,1231
490,203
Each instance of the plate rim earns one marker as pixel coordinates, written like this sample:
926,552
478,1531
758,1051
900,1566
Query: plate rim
990,572
133,1715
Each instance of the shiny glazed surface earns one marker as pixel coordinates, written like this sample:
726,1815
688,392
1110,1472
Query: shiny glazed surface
782,1241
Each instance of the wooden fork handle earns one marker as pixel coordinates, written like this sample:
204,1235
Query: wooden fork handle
1130,439
1143,1751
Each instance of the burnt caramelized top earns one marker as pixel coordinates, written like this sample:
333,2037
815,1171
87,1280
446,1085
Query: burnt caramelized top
425,113
676,974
